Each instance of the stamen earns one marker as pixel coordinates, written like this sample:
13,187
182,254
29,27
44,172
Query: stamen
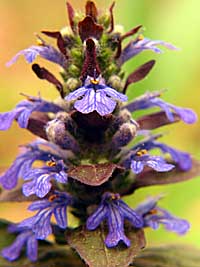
153,211
52,198
141,152
140,37
51,163
94,81
115,196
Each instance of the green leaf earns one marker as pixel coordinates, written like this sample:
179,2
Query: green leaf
168,256
90,246
94,175
5,237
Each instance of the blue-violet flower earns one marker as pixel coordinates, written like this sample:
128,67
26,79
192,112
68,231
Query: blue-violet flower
154,216
23,110
95,96
41,222
40,183
149,100
141,44
25,237
114,211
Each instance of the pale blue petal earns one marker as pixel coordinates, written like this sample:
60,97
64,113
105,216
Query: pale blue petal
76,94
103,104
88,103
114,94
137,166
159,164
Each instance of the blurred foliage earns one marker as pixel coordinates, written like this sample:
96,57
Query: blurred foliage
173,21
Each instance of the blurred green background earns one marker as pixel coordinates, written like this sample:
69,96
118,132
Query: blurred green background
173,21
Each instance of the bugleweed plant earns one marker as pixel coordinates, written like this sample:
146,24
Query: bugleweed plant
93,149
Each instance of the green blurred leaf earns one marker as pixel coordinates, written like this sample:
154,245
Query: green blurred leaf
15,195
168,256
90,246
49,255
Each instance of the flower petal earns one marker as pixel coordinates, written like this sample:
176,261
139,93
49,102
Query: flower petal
47,52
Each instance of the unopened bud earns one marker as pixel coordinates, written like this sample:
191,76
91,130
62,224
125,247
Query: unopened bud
124,135
58,132
115,82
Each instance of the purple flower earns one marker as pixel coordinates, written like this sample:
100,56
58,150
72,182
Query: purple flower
23,163
41,222
154,216
95,95
141,159
183,159
40,183
150,100
47,52
141,44
114,211
23,110
26,238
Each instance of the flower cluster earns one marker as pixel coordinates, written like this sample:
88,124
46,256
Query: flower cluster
90,123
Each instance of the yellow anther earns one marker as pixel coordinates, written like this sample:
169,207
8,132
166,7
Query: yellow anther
115,196
51,163
141,152
52,197
140,37
153,211
39,42
94,81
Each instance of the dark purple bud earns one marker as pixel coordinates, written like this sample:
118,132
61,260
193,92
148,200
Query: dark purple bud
70,11
111,18
121,38
44,74
90,65
37,123
60,41
139,74
91,10
88,29
155,120
131,32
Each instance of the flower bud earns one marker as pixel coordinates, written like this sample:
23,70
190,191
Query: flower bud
58,132
123,136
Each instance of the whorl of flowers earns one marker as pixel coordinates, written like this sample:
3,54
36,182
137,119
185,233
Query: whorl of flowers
87,162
